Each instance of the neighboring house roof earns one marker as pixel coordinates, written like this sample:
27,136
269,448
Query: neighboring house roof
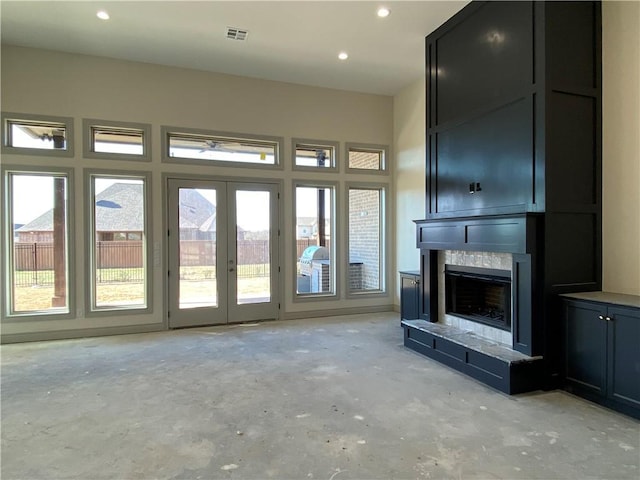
118,210
43,223
195,210
209,224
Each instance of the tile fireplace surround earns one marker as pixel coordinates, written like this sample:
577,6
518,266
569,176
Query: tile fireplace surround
498,261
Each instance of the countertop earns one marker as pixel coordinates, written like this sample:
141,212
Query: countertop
606,297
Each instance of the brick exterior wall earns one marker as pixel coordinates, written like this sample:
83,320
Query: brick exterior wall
364,160
364,236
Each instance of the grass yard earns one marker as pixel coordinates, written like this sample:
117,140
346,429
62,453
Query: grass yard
125,293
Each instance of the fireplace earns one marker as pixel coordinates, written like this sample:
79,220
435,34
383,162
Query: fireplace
476,270
499,150
481,295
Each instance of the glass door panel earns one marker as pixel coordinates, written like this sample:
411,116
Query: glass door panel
197,248
253,237
197,254
253,232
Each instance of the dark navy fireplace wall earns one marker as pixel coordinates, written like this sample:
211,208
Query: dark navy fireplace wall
513,156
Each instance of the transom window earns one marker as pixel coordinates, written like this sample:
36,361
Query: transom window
371,158
311,154
213,148
37,134
116,140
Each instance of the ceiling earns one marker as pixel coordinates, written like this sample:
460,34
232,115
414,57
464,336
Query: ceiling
290,41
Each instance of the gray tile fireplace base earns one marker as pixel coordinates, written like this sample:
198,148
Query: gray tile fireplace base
489,362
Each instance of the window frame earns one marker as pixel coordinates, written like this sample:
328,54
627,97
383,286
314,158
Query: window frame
167,131
324,144
8,117
6,259
385,238
368,147
88,125
333,251
89,203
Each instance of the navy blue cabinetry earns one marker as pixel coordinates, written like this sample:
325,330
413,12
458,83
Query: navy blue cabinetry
409,295
602,339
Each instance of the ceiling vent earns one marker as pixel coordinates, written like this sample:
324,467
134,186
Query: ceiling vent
234,33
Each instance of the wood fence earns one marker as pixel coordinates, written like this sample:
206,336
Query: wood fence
38,257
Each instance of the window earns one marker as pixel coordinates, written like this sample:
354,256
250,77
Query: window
36,134
366,157
223,148
315,242
37,248
119,244
314,155
116,140
366,239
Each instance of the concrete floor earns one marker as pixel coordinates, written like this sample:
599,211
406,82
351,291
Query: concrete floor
335,398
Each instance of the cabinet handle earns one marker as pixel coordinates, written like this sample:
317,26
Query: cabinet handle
609,319
601,317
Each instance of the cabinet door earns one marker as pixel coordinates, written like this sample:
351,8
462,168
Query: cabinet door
409,297
586,362
624,355
485,162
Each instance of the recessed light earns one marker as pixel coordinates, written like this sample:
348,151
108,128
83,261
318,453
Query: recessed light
102,15
383,12
343,55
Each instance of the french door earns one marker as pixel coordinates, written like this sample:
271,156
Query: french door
223,252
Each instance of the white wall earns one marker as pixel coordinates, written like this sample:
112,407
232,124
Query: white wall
43,82
409,174
621,146
620,152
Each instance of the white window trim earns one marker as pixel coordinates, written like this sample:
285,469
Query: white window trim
385,239
384,149
91,309
334,146
6,258
68,125
87,140
165,131
335,242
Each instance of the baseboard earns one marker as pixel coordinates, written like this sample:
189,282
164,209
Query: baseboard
82,333
336,312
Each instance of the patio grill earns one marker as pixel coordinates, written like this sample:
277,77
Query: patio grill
310,254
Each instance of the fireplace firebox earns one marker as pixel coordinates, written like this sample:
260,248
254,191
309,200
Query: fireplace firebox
479,294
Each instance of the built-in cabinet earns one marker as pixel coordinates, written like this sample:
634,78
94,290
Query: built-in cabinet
513,114
409,295
602,339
